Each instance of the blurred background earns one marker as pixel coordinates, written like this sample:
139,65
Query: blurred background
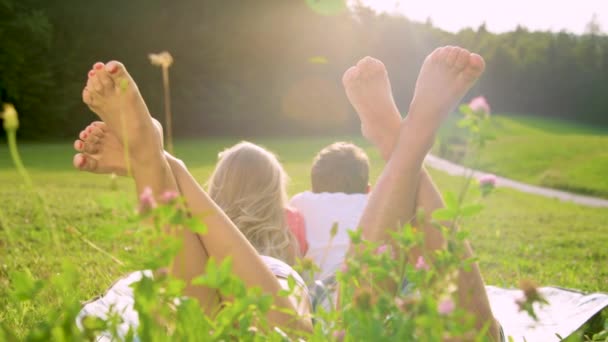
274,67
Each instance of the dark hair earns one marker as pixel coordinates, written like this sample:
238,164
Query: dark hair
340,167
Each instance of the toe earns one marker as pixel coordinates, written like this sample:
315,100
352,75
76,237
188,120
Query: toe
79,145
116,69
101,125
452,55
350,75
98,66
365,61
476,62
84,162
462,59
91,147
83,135
437,54
104,79
95,83
86,97
475,67
95,131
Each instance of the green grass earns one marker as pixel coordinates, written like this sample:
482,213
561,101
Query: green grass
549,152
516,236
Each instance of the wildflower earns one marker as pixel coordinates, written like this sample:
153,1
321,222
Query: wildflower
162,59
421,264
381,249
344,268
446,306
487,183
405,304
480,105
168,197
531,296
146,200
488,179
10,118
339,335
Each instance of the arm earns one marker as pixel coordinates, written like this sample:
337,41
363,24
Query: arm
223,239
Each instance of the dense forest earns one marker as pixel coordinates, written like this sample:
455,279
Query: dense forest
271,67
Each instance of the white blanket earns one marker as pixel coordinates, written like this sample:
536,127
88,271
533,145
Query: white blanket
566,312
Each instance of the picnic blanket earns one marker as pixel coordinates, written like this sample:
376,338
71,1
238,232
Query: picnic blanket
566,312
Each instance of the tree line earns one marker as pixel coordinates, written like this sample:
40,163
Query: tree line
271,67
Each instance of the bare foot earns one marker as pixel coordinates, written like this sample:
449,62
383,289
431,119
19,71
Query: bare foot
445,77
368,89
113,95
101,151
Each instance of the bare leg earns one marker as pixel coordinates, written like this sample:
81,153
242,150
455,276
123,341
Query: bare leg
113,95
368,88
223,239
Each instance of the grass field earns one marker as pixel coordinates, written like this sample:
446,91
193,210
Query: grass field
552,153
517,235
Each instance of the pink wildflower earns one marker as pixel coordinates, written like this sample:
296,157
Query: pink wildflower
446,306
344,268
421,264
339,335
146,200
487,180
487,183
480,104
381,249
168,197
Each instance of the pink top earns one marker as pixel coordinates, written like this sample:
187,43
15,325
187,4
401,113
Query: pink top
295,222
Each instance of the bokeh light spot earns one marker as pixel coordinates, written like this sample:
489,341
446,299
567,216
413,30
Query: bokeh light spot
316,103
327,7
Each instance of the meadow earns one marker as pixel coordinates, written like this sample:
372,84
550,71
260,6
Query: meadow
548,152
517,236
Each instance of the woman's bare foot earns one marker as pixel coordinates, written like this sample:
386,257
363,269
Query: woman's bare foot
101,151
369,90
113,95
445,77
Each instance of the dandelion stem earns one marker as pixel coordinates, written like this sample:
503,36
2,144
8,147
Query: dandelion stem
168,116
12,145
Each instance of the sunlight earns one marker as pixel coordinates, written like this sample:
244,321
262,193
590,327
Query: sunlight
499,16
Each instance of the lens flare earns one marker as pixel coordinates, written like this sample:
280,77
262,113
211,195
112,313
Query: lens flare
327,7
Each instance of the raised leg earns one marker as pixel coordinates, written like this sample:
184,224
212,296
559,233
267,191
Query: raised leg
368,88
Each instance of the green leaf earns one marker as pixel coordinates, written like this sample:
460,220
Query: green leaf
471,210
465,109
451,201
291,282
445,214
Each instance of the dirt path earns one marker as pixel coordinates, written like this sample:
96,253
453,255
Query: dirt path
459,170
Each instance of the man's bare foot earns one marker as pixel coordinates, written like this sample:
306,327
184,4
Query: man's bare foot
445,77
101,151
113,95
368,89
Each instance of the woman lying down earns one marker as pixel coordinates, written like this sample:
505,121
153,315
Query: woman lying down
260,262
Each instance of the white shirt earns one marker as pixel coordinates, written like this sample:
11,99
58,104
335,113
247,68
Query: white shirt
321,211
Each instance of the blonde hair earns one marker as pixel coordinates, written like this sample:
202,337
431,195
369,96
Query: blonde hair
249,184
